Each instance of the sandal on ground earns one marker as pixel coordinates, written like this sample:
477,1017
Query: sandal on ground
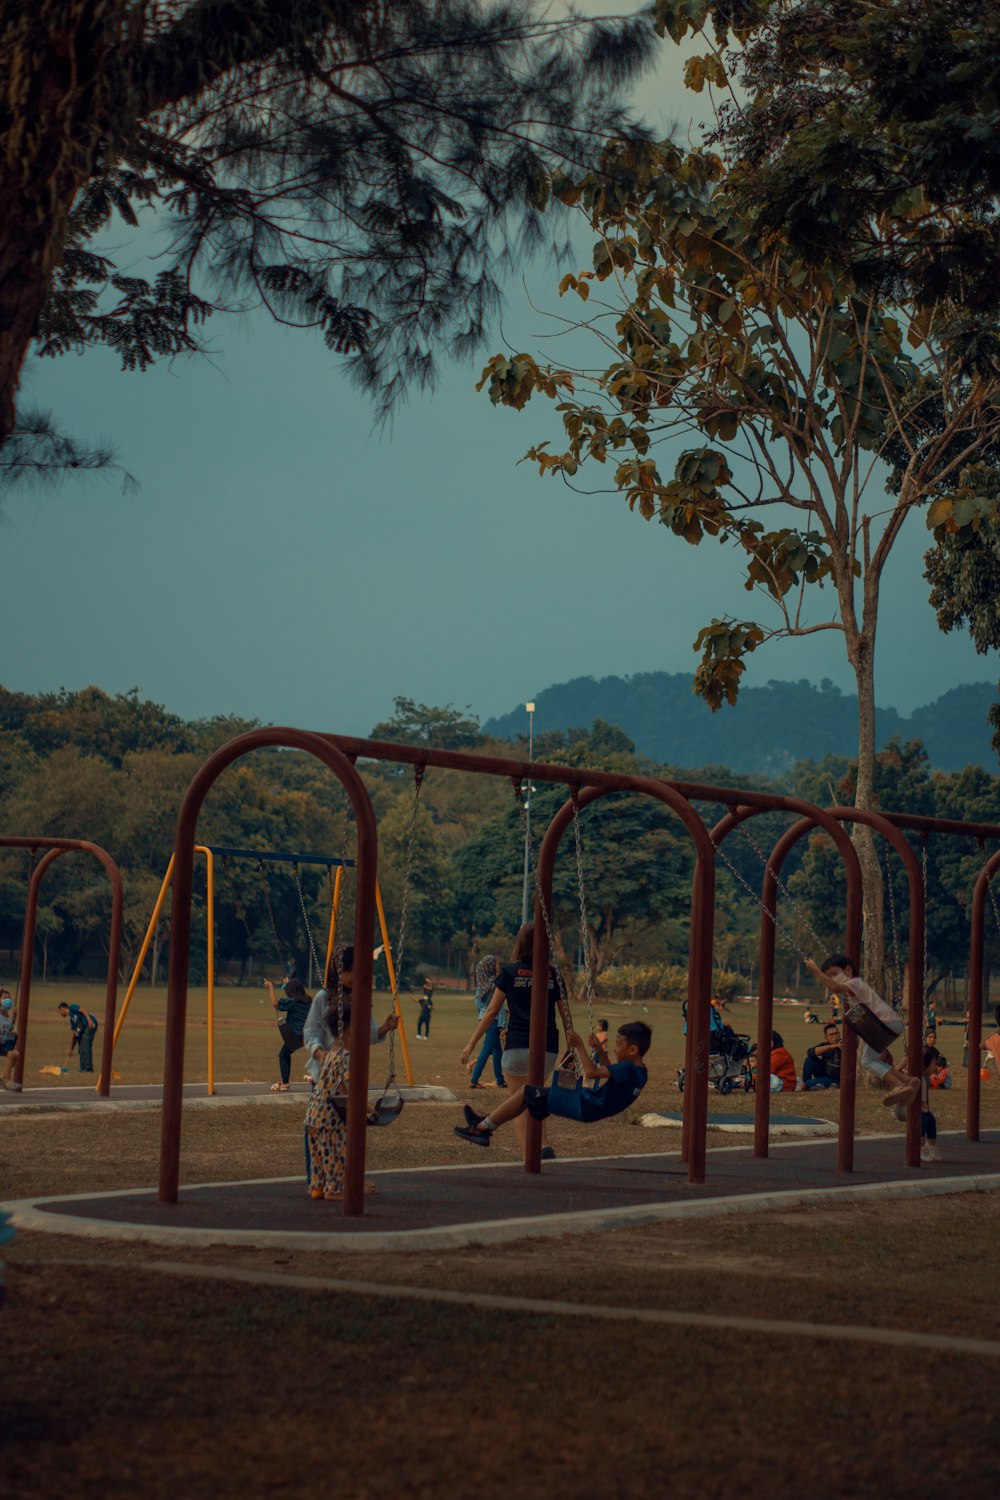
280,1088
11,1084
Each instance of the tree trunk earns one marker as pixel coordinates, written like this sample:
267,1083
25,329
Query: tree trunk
58,83
861,651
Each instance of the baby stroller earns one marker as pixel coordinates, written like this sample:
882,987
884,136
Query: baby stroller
728,1056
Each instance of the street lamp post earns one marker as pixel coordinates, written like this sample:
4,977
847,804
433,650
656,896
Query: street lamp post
527,819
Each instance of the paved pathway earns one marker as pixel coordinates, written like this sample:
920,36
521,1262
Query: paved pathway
126,1096
484,1203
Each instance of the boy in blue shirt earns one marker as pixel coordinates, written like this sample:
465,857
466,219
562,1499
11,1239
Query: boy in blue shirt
83,1029
619,1083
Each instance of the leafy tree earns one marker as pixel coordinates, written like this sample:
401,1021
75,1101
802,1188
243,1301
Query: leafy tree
366,170
865,134
963,569
804,420
414,723
636,863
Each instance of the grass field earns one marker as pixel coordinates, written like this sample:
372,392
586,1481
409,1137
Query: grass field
123,1379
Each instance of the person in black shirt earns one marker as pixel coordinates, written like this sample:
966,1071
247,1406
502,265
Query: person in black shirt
821,1069
513,985
426,1002
292,1008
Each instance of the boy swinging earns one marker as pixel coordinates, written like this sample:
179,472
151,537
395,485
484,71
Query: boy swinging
839,974
618,1083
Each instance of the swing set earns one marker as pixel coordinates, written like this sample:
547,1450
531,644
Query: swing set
220,857
341,753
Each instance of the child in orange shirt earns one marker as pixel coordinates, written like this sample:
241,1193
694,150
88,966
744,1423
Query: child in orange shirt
784,1079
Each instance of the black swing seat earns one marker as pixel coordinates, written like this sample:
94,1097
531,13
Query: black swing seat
383,1112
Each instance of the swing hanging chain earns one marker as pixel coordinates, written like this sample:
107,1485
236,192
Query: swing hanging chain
418,782
305,916
275,939
897,999
582,893
989,883
782,887
756,897
564,1009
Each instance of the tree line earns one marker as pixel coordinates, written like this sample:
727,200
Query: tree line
113,769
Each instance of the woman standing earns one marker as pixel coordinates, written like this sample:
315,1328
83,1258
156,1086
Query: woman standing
292,1008
513,985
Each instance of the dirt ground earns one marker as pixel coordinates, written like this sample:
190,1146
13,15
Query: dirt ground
121,1379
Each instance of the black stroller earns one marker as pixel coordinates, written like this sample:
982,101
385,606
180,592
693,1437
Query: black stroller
728,1056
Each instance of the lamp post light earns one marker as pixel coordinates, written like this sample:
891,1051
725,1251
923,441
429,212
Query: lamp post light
527,819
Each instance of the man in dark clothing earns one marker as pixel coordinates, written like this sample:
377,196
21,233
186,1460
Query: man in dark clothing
821,1069
83,1029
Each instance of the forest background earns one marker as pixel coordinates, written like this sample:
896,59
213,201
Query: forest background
113,769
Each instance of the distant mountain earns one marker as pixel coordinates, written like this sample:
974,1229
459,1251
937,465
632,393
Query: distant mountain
769,729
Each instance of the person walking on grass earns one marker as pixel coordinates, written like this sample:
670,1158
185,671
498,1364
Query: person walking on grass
513,986
83,1029
487,970
426,1002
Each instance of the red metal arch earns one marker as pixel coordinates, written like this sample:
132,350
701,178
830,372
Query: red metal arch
56,849
976,943
342,765
699,957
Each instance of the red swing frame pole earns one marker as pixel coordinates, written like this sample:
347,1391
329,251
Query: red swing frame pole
977,940
699,951
342,765
56,849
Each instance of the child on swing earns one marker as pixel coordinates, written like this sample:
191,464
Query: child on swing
619,1083
840,975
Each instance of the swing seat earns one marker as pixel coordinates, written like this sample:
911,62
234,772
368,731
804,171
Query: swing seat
383,1112
865,1024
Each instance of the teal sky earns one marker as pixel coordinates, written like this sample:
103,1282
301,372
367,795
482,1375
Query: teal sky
281,560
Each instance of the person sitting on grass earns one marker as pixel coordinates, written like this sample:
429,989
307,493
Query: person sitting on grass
784,1079
940,1075
8,1042
619,1084
83,1029
840,975
821,1069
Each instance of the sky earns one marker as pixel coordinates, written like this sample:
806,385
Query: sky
282,560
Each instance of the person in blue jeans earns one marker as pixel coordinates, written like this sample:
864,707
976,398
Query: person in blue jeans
83,1029
487,970
620,1084
821,1069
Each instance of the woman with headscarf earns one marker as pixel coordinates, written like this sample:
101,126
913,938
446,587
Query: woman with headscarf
487,970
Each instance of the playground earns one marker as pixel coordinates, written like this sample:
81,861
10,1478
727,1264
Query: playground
810,1259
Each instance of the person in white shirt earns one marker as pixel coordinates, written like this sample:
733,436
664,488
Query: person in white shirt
319,1032
839,974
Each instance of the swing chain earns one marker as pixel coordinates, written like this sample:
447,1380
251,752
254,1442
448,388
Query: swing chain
582,892
782,887
989,883
564,1009
239,908
305,916
897,998
758,898
419,772
275,939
